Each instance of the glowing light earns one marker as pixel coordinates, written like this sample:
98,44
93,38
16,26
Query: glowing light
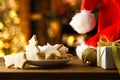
54,25
12,40
70,40
37,16
71,2
6,45
12,14
1,44
1,25
53,30
16,20
2,54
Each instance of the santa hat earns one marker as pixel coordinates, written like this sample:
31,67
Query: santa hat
108,22
83,22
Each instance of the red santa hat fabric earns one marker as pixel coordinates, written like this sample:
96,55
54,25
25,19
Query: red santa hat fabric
108,19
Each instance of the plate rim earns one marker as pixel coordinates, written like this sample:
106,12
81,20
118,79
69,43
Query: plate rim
48,62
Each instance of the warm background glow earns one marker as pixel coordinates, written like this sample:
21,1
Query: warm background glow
48,19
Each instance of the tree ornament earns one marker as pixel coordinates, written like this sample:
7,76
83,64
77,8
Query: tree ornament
89,56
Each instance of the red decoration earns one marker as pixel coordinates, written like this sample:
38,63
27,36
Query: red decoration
108,19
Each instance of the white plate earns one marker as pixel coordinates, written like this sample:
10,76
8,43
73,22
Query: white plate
49,63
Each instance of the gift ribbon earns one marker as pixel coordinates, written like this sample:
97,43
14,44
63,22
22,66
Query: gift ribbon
115,56
114,46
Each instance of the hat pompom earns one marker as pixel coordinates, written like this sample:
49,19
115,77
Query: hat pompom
83,22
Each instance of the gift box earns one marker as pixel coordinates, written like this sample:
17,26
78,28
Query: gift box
105,58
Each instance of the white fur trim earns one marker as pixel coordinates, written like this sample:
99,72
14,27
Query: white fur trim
83,22
80,49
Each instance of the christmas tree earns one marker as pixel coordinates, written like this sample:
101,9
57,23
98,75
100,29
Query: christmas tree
12,39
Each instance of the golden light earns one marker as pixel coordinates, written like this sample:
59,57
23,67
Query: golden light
2,54
36,16
12,41
1,25
70,40
54,25
7,45
1,44
16,20
12,14
6,35
71,2
54,28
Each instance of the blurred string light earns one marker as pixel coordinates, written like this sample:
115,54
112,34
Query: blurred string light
53,29
73,40
70,40
12,40
71,2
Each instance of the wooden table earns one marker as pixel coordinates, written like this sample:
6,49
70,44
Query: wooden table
73,70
